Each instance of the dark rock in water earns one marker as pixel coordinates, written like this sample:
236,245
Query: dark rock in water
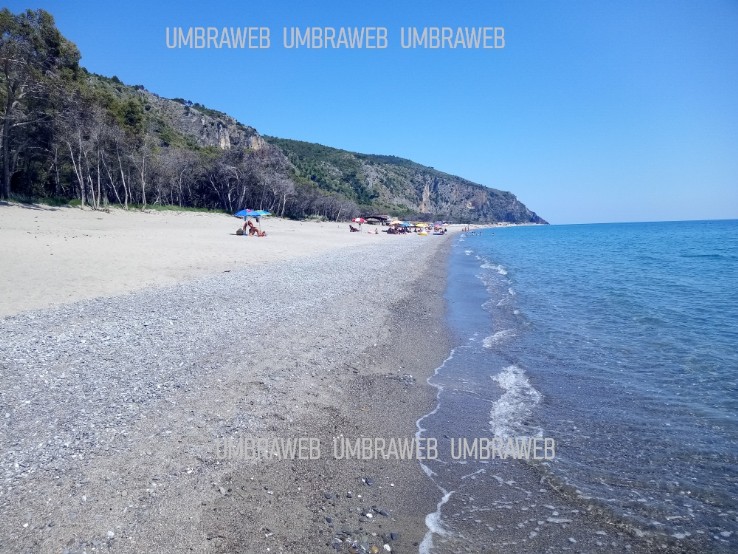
368,481
328,495
328,519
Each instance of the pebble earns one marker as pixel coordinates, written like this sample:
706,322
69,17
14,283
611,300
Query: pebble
114,360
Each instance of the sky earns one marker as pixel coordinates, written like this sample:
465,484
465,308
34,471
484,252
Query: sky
592,112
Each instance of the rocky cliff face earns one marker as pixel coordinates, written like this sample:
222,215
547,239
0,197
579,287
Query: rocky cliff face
428,191
397,185
206,127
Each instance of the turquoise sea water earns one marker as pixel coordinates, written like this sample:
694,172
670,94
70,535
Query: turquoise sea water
620,341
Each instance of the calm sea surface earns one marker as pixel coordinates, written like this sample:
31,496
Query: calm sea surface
620,341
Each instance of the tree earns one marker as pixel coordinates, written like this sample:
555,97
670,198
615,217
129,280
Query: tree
33,57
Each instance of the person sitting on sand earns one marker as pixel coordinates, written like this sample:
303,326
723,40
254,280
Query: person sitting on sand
254,231
353,229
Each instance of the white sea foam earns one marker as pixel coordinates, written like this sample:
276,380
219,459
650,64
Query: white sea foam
477,472
428,471
439,388
497,267
433,523
515,405
468,252
498,337
433,520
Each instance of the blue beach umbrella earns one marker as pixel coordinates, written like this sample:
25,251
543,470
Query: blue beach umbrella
250,213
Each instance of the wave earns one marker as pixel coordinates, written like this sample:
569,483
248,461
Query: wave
433,523
510,412
498,337
497,267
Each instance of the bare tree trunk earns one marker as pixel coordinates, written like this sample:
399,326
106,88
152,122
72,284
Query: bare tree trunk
77,166
123,180
99,188
57,181
143,180
111,180
6,148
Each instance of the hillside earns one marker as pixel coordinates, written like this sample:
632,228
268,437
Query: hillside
397,185
70,134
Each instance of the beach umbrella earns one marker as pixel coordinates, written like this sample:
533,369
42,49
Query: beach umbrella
359,220
248,212
252,213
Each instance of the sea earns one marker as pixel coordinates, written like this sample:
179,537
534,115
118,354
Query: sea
619,343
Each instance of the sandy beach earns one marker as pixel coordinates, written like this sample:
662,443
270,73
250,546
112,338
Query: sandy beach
136,343
86,253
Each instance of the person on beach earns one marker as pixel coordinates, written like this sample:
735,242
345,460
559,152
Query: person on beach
254,231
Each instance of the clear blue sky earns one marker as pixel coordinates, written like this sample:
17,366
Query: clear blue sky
593,111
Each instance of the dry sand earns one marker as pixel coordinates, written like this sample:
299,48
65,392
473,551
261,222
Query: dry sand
51,256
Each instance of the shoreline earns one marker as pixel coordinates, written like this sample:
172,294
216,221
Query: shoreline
517,505
113,431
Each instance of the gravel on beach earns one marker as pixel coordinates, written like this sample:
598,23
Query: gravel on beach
111,409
